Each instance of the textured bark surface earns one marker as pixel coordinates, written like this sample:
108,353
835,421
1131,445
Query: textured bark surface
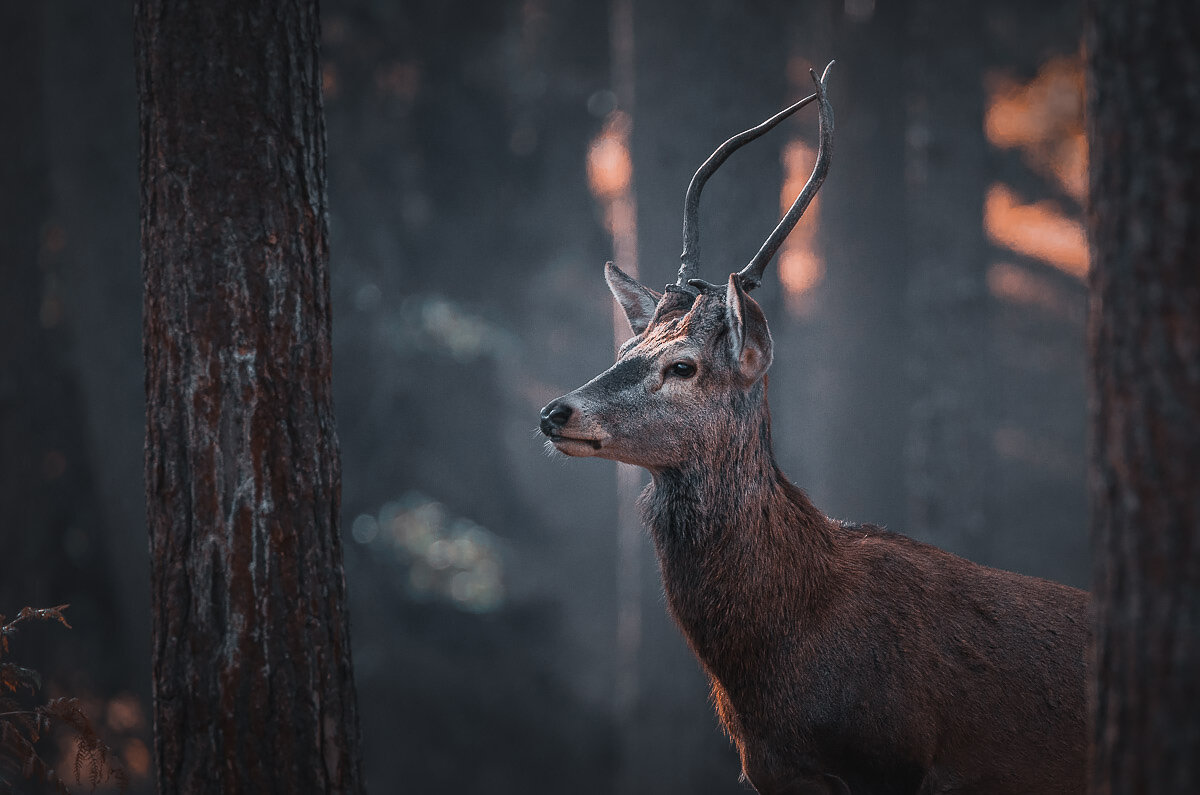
253,685
1144,334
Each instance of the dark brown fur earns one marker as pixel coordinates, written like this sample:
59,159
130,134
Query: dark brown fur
843,658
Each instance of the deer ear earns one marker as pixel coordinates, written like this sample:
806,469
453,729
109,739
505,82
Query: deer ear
637,301
749,337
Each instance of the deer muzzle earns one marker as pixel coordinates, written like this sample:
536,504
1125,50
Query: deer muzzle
556,424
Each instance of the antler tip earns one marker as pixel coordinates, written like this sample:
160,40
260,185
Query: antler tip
819,81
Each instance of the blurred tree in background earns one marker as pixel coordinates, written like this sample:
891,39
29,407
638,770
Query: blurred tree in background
56,539
51,526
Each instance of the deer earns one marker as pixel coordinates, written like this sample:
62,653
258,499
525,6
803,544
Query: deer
843,658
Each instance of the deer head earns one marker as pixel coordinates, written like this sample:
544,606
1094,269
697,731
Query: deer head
694,370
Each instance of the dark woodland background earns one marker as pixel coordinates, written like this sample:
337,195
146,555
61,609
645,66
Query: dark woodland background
485,159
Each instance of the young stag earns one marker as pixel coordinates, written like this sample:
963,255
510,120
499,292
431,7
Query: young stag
843,658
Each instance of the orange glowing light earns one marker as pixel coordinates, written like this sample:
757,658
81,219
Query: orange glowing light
610,178
329,80
1044,119
621,218
800,271
609,166
136,757
1040,230
797,72
800,267
124,713
1019,285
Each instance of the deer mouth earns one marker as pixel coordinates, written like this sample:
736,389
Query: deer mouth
573,445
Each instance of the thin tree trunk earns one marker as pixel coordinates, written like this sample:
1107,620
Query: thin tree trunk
857,330
253,685
91,139
51,533
951,473
31,530
1144,336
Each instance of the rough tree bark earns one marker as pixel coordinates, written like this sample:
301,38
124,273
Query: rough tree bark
253,686
1144,336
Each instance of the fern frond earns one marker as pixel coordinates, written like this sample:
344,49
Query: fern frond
14,677
27,613
22,728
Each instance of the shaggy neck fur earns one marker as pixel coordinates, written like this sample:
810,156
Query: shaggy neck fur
724,525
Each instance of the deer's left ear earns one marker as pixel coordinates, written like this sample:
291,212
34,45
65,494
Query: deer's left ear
749,337
638,302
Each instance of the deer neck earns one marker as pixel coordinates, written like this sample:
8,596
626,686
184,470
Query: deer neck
735,539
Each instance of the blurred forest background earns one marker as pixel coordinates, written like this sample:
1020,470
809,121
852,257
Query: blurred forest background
485,159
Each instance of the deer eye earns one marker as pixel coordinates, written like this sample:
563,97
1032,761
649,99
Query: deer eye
682,370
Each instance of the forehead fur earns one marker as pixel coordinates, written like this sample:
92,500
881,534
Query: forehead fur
679,316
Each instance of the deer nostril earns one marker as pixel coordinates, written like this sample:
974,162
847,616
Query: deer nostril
554,416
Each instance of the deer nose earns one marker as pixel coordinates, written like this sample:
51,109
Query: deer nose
554,416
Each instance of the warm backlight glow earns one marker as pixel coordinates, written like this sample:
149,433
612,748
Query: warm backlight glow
800,267
1019,285
136,757
330,85
1040,230
609,166
799,271
1044,119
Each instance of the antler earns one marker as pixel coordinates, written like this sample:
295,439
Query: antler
751,275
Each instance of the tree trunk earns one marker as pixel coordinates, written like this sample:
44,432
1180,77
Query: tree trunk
1144,336
950,470
92,146
253,686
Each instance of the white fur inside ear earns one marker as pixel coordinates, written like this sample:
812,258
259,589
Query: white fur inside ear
638,302
735,317
749,339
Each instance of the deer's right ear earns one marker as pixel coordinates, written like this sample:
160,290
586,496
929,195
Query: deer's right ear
638,302
749,337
